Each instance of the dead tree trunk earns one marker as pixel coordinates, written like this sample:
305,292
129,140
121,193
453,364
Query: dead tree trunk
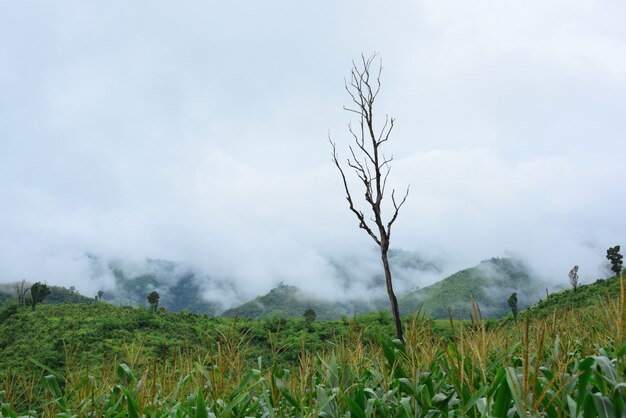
371,166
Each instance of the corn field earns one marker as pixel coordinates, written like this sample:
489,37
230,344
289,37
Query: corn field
571,364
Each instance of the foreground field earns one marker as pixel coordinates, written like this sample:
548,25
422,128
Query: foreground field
569,363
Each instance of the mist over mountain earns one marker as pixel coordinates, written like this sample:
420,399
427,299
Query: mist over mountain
490,284
359,284
290,301
180,286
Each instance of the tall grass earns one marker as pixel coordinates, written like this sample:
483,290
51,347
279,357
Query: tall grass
571,363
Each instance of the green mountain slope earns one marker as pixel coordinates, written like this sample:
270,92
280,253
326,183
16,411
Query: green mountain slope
585,296
290,301
490,284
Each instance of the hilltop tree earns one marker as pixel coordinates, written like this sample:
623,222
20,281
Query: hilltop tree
615,258
21,288
371,166
153,299
573,277
309,315
512,302
38,293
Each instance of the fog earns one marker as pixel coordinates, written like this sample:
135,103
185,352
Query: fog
199,134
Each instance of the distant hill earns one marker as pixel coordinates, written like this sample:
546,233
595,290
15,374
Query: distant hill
290,301
180,287
490,284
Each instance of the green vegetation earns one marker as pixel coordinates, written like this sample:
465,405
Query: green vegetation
490,284
289,301
593,294
616,259
4,296
571,363
108,332
565,356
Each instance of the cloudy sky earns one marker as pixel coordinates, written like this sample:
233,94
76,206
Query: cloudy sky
198,131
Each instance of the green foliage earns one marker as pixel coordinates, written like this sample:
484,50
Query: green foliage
7,310
309,315
488,284
38,292
291,302
530,369
5,295
585,296
616,259
153,300
512,302
59,294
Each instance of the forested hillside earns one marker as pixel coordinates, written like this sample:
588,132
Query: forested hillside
490,284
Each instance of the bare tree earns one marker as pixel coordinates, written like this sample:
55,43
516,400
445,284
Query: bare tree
371,166
21,288
573,277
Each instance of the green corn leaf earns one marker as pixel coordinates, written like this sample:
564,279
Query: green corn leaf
131,403
583,379
502,400
608,369
53,385
58,375
369,408
407,386
604,407
517,391
293,401
324,401
405,403
200,405
474,398
389,351
125,374
355,409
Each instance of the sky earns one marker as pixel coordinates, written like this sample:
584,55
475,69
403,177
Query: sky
198,131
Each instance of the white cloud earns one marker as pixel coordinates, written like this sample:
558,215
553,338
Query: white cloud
199,134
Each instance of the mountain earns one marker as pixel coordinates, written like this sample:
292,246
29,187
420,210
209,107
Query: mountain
290,301
180,286
490,284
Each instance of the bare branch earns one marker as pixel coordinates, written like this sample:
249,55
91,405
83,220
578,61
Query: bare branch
358,213
385,178
397,209
380,141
